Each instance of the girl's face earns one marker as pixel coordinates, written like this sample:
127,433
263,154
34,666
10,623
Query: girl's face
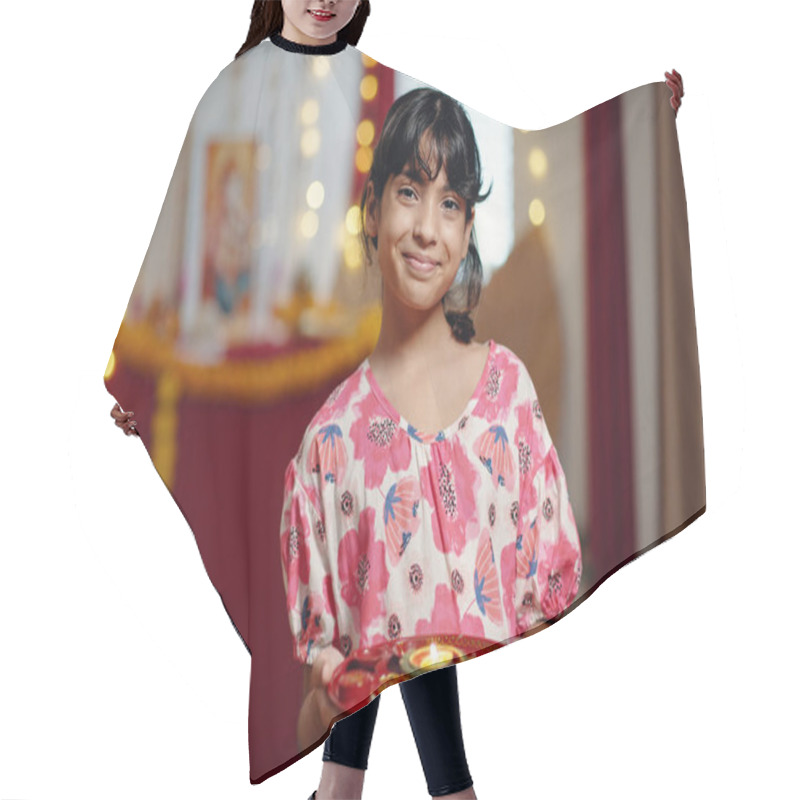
316,21
423,235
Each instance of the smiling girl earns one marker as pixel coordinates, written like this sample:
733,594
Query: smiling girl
426,496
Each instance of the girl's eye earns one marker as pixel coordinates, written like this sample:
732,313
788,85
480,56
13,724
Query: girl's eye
408,192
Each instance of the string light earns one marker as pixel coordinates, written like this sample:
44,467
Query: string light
369,87
365,132
364,159
537,163
536,211
320,66
352,220
309,224
315,194
309,111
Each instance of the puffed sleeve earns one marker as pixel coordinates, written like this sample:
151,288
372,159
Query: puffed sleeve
548,546
306,566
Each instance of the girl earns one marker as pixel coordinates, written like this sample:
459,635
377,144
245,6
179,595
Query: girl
475,467
422,231
425,430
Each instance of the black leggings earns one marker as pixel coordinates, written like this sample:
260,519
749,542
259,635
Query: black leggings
432,706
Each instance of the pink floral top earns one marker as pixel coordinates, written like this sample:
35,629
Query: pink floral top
390,532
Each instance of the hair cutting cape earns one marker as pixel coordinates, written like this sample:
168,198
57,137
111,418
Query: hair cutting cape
325,518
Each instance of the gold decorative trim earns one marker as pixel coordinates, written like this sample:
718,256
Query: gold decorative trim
165,426
242,382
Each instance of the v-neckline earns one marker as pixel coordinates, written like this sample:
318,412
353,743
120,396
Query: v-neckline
447,431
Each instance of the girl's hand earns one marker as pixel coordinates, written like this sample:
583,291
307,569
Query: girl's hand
675,82
321,673
318,710
124,420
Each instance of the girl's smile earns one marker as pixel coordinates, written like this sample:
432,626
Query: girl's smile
420,264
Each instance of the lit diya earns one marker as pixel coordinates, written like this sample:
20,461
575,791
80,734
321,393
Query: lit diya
427,652
432,655
365,671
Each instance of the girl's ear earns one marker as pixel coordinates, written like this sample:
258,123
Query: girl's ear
468,233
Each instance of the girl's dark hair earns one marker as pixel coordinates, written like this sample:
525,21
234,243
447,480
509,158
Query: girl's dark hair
453,145
266,18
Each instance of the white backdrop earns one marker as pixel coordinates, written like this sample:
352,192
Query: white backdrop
120,673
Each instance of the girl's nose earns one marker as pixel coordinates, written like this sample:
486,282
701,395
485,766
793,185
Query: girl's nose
425,222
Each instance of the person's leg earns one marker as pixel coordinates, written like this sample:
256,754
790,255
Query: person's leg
433,710
346,753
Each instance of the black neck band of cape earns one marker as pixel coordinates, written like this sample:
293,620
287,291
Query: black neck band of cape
311,49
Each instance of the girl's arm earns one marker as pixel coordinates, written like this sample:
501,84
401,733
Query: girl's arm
305,563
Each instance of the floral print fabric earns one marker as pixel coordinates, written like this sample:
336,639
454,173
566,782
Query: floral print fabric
388,531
